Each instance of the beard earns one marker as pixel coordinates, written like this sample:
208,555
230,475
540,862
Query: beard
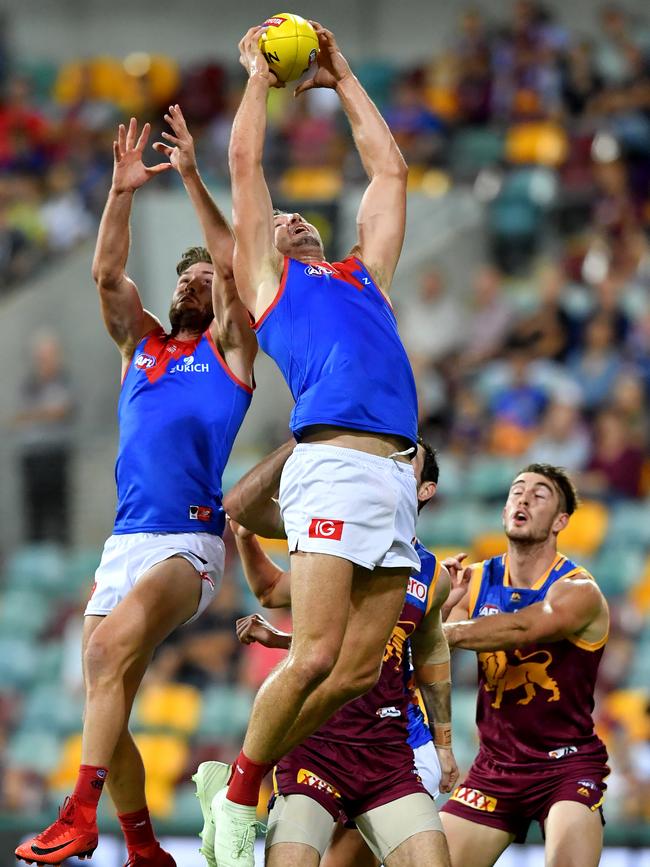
191,318
306,240
527,535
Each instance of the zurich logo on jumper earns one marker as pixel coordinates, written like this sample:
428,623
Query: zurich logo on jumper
188,365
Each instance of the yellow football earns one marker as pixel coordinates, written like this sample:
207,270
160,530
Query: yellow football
290,45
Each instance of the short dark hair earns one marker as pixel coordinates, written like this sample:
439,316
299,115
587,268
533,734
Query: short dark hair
192,256
562,483
430,468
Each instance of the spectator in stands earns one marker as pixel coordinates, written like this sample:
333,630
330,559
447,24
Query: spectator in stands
562,440
518,404
66,219
15,251
580,79
620,47
489,318
596,365
24,131
44,424
24,210
311,133
550,324
616,463
418,131
467,434
638,348
474,74
629,402
431,325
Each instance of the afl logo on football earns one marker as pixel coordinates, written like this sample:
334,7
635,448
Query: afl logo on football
144,361
318,270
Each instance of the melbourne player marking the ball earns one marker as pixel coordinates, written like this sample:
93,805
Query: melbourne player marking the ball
348,493
289,46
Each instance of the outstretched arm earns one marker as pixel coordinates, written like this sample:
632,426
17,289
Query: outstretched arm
382,216
126,319
231,329
251,501
433,678
257,263
572,606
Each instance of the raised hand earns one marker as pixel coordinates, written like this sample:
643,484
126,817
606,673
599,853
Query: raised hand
332,67
129,172
180,149
252,59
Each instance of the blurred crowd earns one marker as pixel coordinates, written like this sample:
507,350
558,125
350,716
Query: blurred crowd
551,127
544,357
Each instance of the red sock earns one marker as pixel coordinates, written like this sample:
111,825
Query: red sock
90,783
246,780
137,829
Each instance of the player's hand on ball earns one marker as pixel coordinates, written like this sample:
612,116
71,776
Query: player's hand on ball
180,147
254,628
449,768
252,59
332,66
129,172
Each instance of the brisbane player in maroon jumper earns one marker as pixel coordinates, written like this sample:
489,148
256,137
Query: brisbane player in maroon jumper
539,624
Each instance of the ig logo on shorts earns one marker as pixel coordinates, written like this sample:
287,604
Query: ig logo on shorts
326,528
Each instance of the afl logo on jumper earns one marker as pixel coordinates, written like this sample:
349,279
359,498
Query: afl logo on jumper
487,610
318,270
324,528
144,361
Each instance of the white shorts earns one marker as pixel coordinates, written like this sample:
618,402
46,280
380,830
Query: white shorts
350,504
428,767
126,558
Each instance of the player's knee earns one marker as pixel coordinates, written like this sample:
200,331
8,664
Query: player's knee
104,659
315,666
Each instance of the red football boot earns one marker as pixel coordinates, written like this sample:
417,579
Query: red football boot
152,856
73,833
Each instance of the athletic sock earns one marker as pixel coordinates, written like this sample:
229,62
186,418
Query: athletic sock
138,830
246,780
90,783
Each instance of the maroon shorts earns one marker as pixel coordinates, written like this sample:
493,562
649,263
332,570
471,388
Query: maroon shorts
500,797
346,779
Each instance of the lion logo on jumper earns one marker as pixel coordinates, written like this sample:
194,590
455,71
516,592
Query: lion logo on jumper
528,673
395,647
